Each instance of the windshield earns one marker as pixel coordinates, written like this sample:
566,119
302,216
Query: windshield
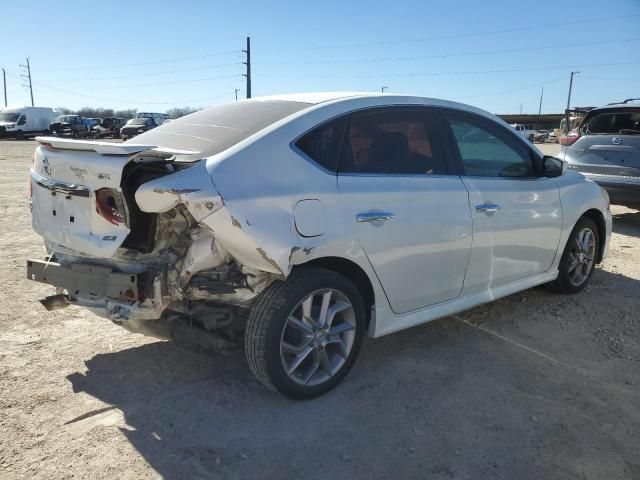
9,117
65,118
137,121
615,122
217,128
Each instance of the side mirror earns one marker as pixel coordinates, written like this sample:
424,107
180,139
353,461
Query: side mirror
553,167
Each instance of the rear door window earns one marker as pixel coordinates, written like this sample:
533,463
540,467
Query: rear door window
394,140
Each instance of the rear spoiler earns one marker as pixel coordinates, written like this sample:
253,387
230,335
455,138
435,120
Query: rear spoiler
107,148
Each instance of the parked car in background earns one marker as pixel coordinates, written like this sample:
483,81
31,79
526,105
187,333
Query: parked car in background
606,149
552,136
71,125
526,131
297,224
90,123
159,118
112,125
25,121
136,126
541,136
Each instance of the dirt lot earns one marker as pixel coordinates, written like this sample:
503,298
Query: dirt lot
534,386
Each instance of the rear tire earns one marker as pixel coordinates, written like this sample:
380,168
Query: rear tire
578,259
293,342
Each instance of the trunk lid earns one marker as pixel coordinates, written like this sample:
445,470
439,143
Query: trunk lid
76,185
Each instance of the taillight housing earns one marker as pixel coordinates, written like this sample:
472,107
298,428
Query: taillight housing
110,206
570,138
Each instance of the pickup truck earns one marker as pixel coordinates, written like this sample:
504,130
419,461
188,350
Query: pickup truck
69,125
526,131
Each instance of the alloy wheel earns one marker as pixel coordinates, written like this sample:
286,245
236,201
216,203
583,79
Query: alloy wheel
581,256
317,337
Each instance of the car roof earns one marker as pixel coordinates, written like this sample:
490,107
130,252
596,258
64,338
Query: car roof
315,98
318,98
614,106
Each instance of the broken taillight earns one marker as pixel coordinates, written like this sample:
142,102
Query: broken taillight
109,206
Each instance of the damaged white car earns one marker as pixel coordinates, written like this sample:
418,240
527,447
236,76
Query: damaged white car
296,225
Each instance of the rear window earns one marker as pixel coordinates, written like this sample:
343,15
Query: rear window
217,128
614,122
323,143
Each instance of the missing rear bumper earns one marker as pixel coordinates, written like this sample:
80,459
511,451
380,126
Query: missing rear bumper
84,281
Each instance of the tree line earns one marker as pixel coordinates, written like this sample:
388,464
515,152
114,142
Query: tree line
99,112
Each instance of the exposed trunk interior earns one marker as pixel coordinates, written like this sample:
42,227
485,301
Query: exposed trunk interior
143,225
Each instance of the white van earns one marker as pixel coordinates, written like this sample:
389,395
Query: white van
25,121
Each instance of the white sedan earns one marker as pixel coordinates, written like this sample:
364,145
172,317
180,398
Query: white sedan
297,225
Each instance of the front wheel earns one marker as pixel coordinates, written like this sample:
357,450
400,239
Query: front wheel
304,335
579,258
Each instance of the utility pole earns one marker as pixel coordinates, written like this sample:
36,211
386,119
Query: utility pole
566,112
540,107
236,91
28,77
4,83
383,89
248,64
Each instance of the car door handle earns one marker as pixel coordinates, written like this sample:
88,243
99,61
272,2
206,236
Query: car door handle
487,208
374,217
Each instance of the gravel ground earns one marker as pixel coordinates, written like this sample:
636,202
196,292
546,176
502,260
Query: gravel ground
533,386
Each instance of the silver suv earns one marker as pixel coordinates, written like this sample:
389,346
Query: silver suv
606,149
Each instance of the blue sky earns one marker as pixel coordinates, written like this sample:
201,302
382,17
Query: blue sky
493,54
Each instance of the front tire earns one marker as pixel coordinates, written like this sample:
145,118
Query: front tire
579,258
304,335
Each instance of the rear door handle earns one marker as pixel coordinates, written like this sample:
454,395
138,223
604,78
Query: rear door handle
374,217
487,208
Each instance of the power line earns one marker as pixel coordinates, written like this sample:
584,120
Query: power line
118,100
472,34
527,69
155,62
517,89
447,55
151,74
471,72
136,102
177,82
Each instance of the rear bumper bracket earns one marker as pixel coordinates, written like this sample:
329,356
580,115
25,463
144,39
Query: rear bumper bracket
84,281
